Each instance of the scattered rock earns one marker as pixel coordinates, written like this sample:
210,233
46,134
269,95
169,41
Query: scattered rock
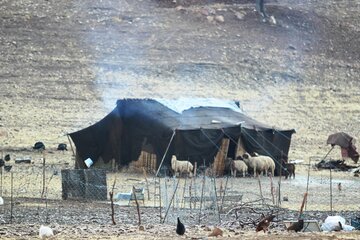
219,18
240,15
210,18
216,232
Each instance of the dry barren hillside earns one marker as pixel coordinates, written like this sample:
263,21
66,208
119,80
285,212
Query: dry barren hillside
64,63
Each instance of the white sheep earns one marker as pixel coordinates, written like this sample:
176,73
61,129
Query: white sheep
238,165
269,163
255,163
181,166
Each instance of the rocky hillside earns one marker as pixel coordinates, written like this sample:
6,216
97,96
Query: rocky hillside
64,63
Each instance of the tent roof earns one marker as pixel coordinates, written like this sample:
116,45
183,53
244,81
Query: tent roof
188,113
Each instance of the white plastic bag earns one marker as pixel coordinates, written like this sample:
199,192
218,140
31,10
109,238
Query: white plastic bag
332,224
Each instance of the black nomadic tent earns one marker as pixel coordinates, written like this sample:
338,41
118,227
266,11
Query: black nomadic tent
165,127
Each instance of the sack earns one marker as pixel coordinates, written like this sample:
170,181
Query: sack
332,224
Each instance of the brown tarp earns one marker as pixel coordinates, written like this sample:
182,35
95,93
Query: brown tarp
346,142
341,139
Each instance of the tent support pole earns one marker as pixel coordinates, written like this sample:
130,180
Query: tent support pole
167,149
72,149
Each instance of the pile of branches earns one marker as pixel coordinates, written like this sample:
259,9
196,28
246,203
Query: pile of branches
334,164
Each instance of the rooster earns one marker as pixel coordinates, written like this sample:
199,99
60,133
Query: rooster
180,228
296,226
264,224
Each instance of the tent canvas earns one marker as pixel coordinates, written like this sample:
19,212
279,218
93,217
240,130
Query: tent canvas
195,132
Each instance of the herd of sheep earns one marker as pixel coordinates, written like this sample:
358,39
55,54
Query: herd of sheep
258,163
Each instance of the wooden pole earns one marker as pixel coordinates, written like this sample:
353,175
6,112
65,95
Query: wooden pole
201,199
160,200
1,190
216,200
272,189
279,183
111,193
190,195
44,172
183,195
11,198
172,197
72,149
261,195
137,205
331,203
167,149
302,205
223,196
147,183
307,184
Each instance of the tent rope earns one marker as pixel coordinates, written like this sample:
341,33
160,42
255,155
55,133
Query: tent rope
283,168
167,149
218,148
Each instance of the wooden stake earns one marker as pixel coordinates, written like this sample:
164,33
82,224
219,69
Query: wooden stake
160,199
111,193
195,169
302,204
307,183
72,149
147,183
223,196
261,195
216,200
190,195
43,183
137,205
331,203
272,189
183,195
201,198
172,197
11,198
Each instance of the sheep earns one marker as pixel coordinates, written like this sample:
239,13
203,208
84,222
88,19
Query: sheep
268,161
270,164
181,166
238,165
255,163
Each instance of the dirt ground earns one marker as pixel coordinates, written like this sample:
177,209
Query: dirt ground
64,64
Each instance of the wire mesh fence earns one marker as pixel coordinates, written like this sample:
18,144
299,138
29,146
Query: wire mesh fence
42,193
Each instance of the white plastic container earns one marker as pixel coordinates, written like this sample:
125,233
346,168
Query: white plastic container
88,162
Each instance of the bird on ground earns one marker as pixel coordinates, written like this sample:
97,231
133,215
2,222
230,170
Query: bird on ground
2,163
264,224
7,157
39,146
180,228
7,168
62,147
296,226
339,186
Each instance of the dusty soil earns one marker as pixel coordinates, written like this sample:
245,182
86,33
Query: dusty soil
64,64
